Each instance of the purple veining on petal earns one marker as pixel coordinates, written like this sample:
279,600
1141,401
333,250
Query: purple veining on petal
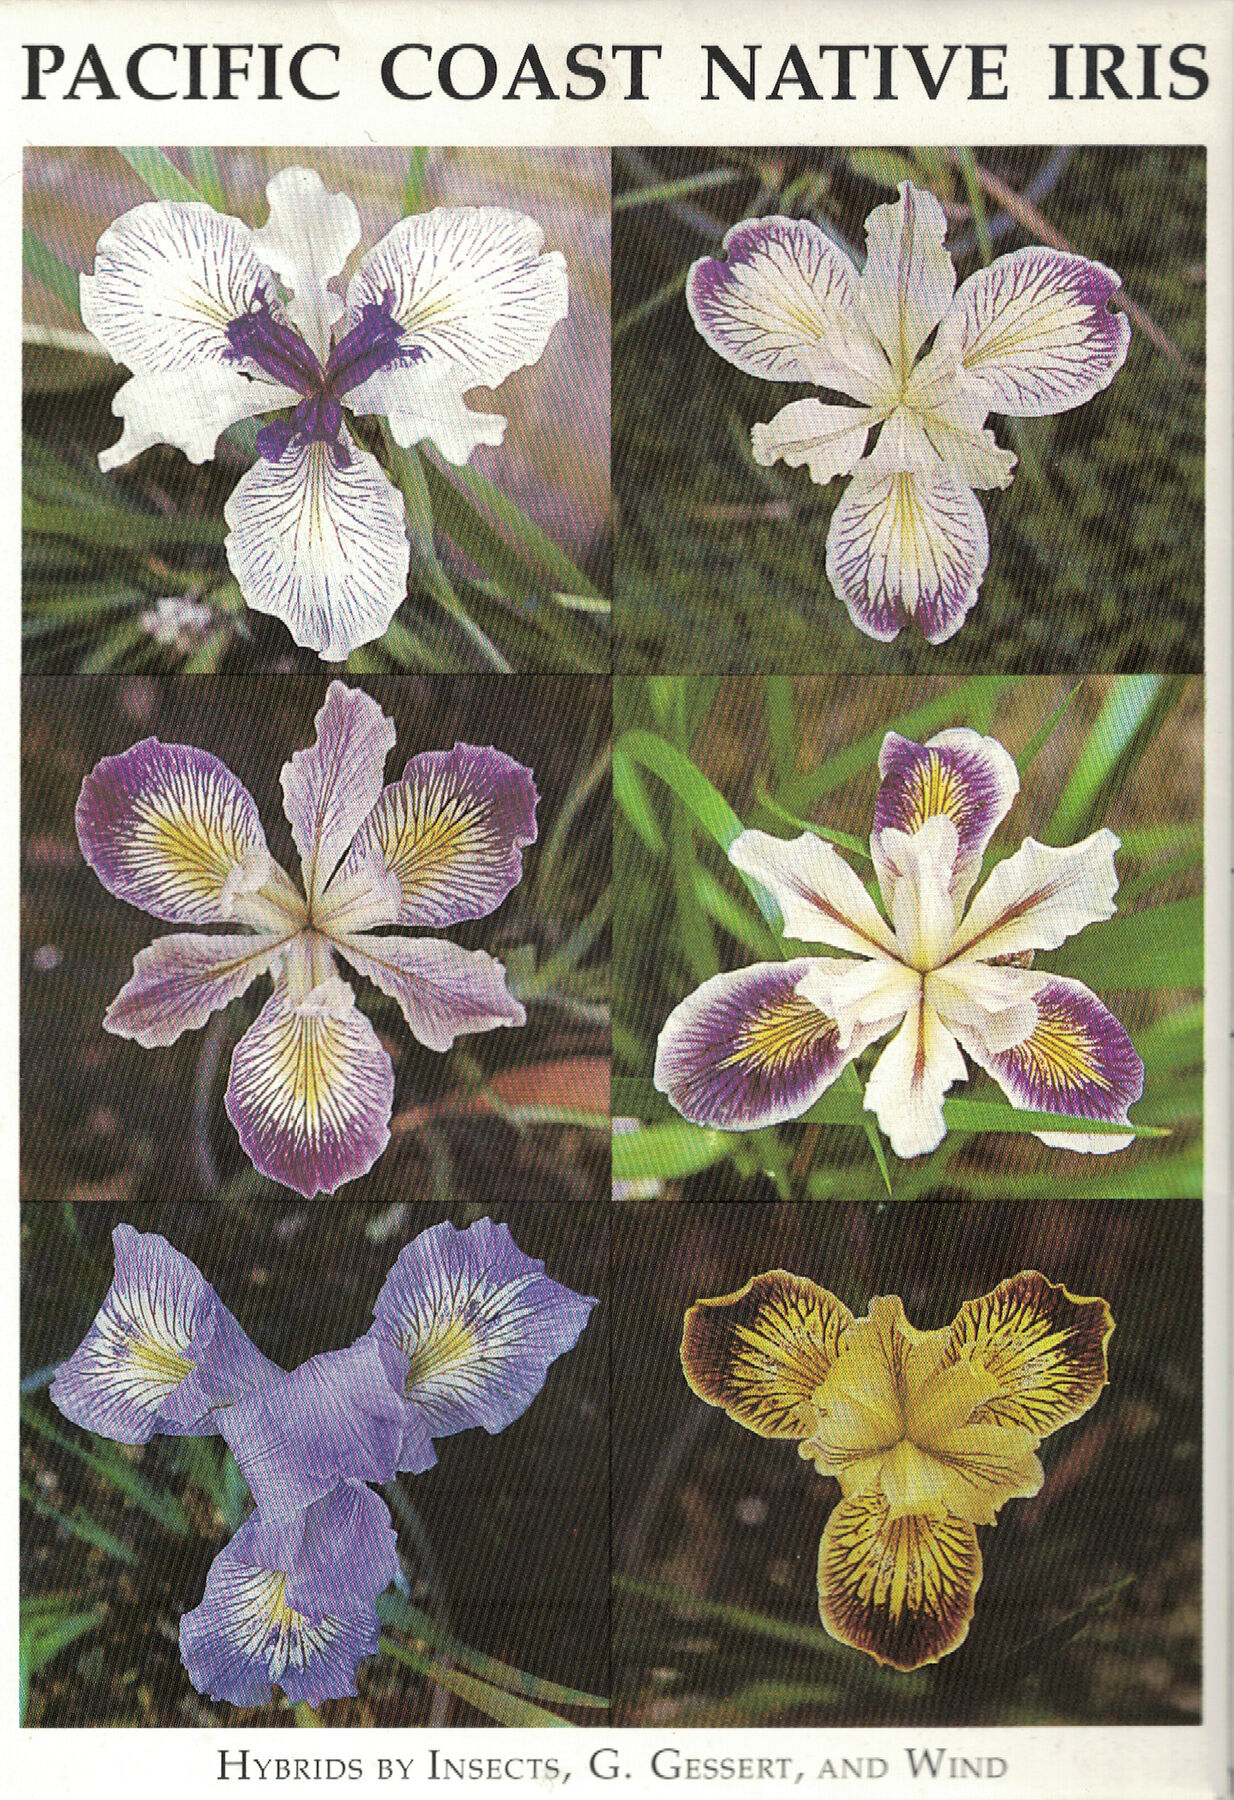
968,778
334,1418
277,349
746,1049
477,1324
375,342
245,1635
452,831
1077,1060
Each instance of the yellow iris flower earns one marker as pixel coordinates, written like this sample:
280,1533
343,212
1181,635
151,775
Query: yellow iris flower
927,1432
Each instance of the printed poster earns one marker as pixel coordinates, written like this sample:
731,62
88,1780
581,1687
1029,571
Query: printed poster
618,1061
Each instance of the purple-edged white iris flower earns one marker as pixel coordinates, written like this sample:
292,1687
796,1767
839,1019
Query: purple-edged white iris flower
169,828
924,365
219,323
465,1329
949,975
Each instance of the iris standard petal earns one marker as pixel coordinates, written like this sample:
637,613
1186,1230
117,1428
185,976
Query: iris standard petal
970,779
332,1419
1077,1060
949,438
909,278
821,900
475,300
1033,333
178,981
246,1636
1044,1348
907,546
477,1324
307,238
311,1090
452,833
901,1589
764,1352
746,1049
444,991
920,871
829,440
780,304
320,545
910,1079
162,1352
169,828
331,788
1040,896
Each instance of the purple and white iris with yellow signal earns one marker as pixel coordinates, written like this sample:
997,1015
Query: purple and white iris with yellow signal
466,1327
169,828
949,975
219,323
1029,336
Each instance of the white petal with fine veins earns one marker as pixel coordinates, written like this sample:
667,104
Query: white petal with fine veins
306,240
320,547
1040,896
821,900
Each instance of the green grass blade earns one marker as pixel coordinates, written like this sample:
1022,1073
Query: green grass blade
160,174
657,192
111,1467
401,1615
690,785
1041,737
955,707
475,496
80,1525
963,1114
669,1152
631,797
204,171
494,1702
1130,715
1162,947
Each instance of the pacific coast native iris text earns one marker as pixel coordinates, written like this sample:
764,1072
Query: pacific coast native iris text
587,71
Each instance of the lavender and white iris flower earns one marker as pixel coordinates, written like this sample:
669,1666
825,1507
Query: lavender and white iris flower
947,975
219,323
465,1329
925,364
169,828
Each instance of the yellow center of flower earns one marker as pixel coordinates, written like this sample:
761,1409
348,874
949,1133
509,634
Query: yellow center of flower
439,1352
159,1362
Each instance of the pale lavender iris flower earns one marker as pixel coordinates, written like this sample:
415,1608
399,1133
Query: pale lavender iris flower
921,363
466,1327
219,322
947,974
169,828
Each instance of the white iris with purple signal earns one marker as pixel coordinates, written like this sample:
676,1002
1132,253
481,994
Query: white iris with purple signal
945,970
170,829
465,1329
219,323
921,363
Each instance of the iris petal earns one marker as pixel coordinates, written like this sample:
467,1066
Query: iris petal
901,1589
476,1324
474,298
311,1090
1039,897
162,1353
764,1352
306,240
246,1636
331,788
829,440
969,778
1077,1060
746,1049
1044,1348
910,1079
320,546
452,833
909,278
178,981
906,545
444,991
1034,333
170,829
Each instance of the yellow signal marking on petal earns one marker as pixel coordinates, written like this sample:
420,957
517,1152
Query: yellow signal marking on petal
934,789
448,1344
275,1631
159,1362
779,1035
1024,328
1060,1054
762,1354
202,850
1045,1348
425,832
